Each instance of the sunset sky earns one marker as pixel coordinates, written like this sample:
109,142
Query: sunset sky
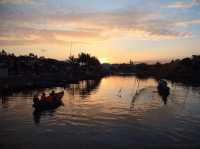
113,30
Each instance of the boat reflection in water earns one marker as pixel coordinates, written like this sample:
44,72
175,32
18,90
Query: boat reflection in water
4,97
164,96
4,100
37,114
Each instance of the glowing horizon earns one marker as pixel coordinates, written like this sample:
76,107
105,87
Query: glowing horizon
113,31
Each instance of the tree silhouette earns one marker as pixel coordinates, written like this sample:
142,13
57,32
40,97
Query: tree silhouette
3,53
86,60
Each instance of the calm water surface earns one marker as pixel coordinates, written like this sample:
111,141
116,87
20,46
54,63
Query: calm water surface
114,112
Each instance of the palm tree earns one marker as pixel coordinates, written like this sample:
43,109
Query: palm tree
72,60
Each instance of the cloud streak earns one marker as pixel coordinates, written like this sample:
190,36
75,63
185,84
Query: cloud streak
16,2
184,5
188,23
57,27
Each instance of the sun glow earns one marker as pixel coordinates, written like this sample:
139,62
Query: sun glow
101,28
103,60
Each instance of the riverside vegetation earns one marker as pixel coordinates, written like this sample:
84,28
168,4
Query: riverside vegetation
31,71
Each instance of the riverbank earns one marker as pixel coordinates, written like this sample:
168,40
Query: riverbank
28,72
18,83
186,71
31,71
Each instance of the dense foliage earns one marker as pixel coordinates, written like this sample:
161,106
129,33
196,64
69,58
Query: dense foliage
33,65
185,70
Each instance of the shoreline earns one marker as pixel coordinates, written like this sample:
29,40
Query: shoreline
17,84
20,83
29,72
183,80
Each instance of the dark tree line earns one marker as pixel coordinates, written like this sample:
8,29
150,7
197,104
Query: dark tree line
34,65
185,70
85,66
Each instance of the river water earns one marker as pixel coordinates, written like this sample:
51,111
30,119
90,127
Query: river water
114,112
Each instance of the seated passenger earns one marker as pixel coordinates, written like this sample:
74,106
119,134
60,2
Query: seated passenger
52,93
43,97
51,97
36,99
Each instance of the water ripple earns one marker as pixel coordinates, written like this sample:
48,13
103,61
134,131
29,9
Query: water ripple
113,111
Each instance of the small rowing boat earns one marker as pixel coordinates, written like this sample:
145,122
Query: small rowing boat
56,101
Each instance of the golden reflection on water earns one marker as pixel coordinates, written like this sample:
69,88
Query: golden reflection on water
105,108
111,97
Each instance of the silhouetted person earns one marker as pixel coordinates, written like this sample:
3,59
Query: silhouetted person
43,97
36,99
52,93
51,97
163,90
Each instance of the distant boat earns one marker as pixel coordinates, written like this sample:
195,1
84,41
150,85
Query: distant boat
162,87
44,105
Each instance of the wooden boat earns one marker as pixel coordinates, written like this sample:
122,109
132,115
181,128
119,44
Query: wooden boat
44,105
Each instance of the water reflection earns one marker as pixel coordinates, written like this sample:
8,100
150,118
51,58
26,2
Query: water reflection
4,99
115,106
83,88
164,96
137,93
37,114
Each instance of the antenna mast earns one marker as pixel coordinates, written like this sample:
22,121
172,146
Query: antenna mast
70,49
